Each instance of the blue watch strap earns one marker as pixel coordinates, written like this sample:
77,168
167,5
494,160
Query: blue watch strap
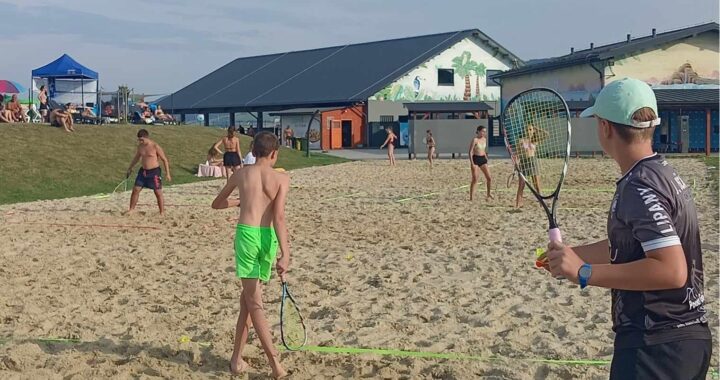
584,279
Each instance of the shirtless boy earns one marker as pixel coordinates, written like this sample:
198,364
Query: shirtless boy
149,175
261,229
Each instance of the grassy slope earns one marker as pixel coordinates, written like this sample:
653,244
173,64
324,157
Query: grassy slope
40,162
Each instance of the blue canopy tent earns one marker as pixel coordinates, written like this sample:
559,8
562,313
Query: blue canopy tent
62,75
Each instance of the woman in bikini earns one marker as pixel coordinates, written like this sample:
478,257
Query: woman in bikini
430,142
232,158
478,161
527,161
390,142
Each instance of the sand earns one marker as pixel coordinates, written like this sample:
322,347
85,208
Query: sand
151,297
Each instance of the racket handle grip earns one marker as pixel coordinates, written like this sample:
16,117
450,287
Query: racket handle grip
555,235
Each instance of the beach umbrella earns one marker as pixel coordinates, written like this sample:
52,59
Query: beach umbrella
23,89
9,87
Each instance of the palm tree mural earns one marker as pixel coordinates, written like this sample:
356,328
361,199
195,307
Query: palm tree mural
479,71
463,66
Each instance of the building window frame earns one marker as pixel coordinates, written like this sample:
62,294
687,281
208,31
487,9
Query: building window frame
446,73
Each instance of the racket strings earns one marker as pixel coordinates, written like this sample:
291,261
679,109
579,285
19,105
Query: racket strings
293,330
536,127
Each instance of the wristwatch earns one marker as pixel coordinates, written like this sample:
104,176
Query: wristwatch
584,274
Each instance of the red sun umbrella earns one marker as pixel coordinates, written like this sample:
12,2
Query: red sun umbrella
8,87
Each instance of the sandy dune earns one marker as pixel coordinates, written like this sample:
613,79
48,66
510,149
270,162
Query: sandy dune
433,273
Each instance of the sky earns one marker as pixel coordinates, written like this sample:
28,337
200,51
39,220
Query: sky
160,46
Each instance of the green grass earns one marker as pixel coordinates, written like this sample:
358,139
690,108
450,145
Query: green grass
712,161
713,164
41,162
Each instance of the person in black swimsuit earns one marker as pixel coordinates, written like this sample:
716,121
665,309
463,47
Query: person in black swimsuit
390,142
479,162
232,157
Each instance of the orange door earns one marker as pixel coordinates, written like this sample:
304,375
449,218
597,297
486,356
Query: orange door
335,134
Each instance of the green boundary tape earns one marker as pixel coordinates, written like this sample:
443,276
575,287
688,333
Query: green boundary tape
563,190
559,208
378,351
449,356
390,352
417,197
431,194
608,190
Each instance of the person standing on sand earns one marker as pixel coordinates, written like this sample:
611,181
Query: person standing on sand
430,142
479,162
390,142
527,161
149,175
652,260
232,159
261,229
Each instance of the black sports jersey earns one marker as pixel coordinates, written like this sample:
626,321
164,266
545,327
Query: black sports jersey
652,209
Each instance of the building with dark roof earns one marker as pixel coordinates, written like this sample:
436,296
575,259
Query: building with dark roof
368,80
681,66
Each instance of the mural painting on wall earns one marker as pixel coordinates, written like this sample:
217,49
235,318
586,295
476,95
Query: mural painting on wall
468,62
464,68
299,125
314,135
685,74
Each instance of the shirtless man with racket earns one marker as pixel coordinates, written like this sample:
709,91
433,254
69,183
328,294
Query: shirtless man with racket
149,176
261,229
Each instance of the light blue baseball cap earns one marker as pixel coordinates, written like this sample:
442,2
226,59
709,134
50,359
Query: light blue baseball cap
619,100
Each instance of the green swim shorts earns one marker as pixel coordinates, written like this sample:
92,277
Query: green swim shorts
255,251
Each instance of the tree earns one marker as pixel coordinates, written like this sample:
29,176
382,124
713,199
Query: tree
479,70
463,66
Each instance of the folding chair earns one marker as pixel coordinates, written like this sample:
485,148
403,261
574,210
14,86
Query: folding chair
34,115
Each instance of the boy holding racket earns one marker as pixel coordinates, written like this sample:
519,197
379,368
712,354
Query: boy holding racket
261,229
149,153
654,261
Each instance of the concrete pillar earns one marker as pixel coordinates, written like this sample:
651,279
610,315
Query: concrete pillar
207,119
260,124
232,118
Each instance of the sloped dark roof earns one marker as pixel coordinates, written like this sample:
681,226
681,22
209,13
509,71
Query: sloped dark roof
303,111
447,106
688,97
669,97
330,76
604,52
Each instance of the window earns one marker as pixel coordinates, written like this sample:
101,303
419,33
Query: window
488,80
446,77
